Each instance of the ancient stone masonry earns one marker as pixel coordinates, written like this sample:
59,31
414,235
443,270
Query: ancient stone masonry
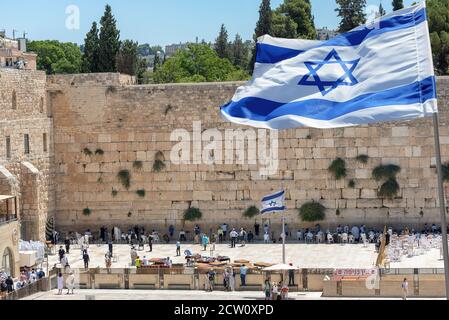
103,125
83,130
26,168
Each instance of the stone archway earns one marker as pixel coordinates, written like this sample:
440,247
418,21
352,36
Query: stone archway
7,263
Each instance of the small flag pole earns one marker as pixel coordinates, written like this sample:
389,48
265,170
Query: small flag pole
283,237
442,201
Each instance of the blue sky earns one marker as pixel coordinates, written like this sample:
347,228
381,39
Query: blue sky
149,21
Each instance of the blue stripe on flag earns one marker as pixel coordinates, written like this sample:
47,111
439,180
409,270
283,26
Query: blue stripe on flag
272,54
273,209
258,109
273,196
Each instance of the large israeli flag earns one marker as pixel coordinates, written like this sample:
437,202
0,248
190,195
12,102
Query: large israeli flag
273,203
377,72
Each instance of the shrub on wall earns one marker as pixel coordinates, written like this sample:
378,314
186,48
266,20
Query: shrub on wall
99,152
446,171
125,178
338,168
312,211
114,192
87,152
363,158
141,193
251,212
159,164
137,165
386,172
192,214
389,189
351,184
87,212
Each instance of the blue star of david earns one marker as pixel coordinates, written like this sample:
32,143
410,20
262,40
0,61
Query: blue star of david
273,204
325,87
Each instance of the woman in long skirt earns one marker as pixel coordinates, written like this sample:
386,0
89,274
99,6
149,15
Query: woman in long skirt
60,283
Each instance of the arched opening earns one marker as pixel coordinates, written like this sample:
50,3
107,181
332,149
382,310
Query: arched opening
8,262
14,100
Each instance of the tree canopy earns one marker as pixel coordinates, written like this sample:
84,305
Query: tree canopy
56,57
352,14
90,48
398,4
109,42
437,11
199,63
300,12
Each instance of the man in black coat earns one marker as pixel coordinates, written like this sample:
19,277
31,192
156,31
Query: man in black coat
10,284
61,253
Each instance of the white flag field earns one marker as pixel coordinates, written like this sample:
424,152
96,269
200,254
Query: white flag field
377,72
273,203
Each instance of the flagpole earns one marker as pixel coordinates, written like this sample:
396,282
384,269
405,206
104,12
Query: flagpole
283,237
442,201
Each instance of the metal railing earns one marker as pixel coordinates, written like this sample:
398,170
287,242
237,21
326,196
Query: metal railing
7,218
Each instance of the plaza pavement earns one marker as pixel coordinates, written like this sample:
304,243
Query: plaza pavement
137,295
302,255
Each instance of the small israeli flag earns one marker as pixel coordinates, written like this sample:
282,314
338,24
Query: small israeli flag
273,203
381,71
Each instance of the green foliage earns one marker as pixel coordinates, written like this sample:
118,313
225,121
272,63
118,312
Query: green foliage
351,184
56,57
87,152
251,212
284,26
168,108
300,13
130,214
141,193
239,53
337,212
338,168
386,172
108,43
438,17
138,165
398,5
125,178
263,26
352,14
114,192
99,152
222,45
192,214
90,56
446,171
312,211
199,63
382,11
389,189
363,158
158,165
156,63
127,60
87,211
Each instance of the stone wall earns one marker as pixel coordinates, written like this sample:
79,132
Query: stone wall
122,124
23,105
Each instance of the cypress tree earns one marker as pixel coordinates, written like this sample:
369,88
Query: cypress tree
382,11
263,26
109,42
90,56
398,5
352,14
239,52
127,57
221,43
157,62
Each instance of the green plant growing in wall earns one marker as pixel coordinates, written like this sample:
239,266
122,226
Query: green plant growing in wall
338,168
337,212
99,152
111,89
130,214
312,211
87,152
138,165
159,164
87,211
251,212
141,193
168,108
386,172
192,214
363,158
351,184
389,189
114,192
125,178
446,171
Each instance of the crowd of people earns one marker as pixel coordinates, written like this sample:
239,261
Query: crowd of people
27,276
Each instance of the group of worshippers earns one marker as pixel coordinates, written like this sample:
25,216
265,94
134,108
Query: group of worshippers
27,276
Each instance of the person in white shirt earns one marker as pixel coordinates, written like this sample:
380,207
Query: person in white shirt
266,238
299,235
233,236
404,289
224,227
60,283
356,233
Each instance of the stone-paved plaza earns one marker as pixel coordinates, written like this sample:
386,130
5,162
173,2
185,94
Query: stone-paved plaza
325,256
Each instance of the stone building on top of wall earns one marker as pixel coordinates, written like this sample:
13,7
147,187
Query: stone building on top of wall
13,53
